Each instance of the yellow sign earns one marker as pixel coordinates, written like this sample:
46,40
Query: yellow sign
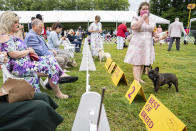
111,68
108,63
133,91
118,75
158,118
191,6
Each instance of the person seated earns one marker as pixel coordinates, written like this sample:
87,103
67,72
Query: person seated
19,62
36,42
25,115
70,36
78,40
54,42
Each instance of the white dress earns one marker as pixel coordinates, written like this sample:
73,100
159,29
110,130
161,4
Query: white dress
141,49
96,41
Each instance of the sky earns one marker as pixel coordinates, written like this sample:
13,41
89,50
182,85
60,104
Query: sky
134,4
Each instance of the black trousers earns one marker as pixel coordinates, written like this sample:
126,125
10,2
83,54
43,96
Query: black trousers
177,43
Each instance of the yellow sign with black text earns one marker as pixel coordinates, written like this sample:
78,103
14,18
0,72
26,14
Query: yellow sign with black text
118,75
133,91
111,68
108,63
158,118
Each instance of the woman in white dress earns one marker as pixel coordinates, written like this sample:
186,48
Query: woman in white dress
96,42
141,49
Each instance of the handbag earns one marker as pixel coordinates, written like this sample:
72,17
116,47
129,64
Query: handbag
17,90
34,56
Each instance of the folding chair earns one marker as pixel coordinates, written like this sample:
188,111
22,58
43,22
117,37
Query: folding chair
7,74
70,48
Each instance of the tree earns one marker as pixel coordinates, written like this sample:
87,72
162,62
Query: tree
170,9
64,5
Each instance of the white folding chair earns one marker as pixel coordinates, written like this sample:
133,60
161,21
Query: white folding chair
70,48
7,74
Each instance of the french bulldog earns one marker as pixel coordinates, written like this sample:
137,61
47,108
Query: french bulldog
160,79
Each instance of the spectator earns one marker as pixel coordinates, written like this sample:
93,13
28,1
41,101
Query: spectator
141,50
96,42
159,29
70,36
78,40
38,16
122,28
20,64
48,31
175,30
54,41
30,24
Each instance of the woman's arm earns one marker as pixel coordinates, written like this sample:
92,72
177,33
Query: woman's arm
138,23
20,54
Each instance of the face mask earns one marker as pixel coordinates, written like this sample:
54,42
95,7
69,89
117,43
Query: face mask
142,12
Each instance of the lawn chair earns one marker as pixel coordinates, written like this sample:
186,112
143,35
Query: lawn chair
7,74
70,48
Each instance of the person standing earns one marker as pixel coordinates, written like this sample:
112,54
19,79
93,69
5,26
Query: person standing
175,30
159,29
122,29
141,50
96,41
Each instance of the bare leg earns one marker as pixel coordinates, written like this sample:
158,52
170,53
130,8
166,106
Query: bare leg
57,91
136,72
141,71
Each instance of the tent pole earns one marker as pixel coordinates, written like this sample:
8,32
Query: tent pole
88,25
116,25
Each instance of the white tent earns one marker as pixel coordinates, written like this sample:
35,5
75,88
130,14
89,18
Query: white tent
191,20
83,16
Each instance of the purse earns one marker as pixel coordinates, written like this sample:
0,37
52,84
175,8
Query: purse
17,90
34,56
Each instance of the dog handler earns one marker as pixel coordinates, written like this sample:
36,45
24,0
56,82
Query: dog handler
141,49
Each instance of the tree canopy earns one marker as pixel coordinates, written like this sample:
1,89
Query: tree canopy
26,5
170,9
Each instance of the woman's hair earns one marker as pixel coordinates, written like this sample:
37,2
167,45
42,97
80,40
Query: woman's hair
143,4
97,17
7,20
71,31
56,25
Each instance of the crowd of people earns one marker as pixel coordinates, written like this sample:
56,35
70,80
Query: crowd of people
52,61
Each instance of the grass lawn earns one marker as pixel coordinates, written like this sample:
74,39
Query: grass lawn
123,116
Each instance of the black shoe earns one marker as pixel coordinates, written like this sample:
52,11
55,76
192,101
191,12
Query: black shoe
68,79
48,86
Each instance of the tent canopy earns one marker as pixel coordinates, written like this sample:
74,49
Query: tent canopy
193,19
83,16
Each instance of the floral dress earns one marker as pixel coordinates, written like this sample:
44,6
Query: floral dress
96,41
141,49
24,67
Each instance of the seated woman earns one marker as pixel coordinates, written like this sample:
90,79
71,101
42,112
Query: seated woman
78,39
70,36
25,115
54,42
19,62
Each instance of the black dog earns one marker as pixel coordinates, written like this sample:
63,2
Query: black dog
160,79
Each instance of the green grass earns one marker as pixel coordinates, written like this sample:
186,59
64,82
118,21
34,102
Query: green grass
123,116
